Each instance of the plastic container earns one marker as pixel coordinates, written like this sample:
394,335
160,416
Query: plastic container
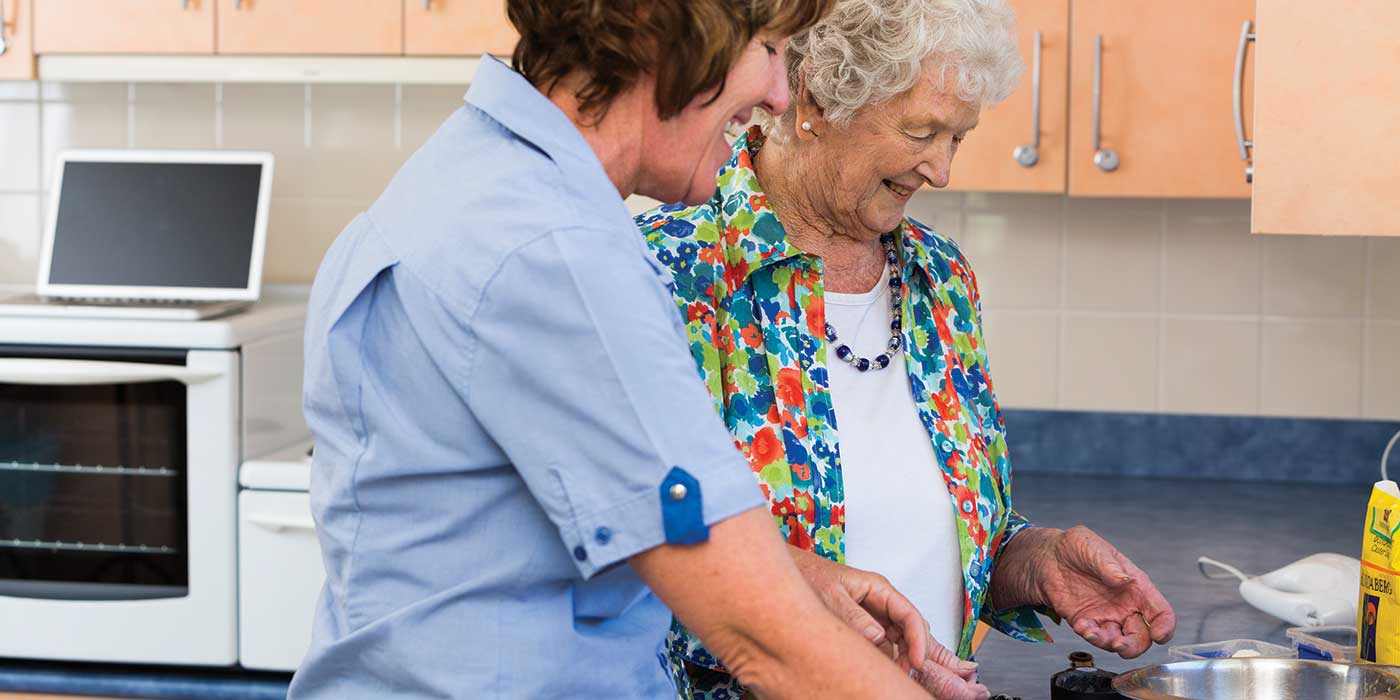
1327,643
1235,648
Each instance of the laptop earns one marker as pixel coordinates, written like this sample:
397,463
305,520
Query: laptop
175,235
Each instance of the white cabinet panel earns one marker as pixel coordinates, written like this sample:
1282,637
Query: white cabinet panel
279,578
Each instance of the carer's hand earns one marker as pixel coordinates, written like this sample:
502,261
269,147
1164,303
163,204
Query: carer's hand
1107,600
869,604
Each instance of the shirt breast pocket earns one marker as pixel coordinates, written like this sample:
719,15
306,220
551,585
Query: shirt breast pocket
608,595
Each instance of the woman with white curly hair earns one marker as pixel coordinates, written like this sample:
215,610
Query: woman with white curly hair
815,309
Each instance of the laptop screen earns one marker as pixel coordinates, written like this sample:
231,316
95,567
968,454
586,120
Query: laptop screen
154,224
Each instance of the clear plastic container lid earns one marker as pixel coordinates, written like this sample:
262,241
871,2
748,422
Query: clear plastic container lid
1327,643
1234,648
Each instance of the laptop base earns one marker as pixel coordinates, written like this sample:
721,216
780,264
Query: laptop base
35,305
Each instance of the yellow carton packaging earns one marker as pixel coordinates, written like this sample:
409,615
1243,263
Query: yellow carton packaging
1378,610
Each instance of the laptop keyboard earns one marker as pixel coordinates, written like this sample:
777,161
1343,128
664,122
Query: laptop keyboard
156,303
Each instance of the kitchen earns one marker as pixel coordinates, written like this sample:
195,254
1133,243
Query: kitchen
1179,351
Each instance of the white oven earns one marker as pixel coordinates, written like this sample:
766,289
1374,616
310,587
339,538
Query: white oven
120,443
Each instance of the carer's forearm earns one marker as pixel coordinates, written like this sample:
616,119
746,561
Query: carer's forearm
1016,577
743,597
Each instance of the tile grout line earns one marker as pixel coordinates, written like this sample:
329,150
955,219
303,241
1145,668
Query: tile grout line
1061,317
218,115
131,115
1185,316
306,116
1262,269
398,116
1160,345
1366,280
39,175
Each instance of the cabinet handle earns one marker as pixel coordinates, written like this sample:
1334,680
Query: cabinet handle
427,5
1029,154
1246,36
1105,158
279,523
43,372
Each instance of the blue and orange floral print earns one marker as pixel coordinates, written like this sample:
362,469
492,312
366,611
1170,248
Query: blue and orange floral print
755,317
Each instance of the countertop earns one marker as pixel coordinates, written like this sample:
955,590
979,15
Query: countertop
1163,525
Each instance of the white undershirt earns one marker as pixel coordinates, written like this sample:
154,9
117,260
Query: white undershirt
899,517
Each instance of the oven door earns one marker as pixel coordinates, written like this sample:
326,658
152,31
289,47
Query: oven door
117,488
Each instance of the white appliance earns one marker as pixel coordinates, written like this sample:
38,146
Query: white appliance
279,560
176,235
120,443
1320,589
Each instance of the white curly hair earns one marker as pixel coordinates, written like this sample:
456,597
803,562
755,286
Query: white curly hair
868,51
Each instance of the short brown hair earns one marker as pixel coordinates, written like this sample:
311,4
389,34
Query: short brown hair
688,45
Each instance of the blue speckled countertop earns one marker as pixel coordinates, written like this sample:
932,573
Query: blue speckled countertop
141,682
1162,524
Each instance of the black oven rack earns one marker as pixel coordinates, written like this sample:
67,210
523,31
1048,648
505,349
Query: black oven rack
80,469
87,547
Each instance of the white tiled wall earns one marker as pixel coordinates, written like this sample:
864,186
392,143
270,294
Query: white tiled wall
1096,304
1173,306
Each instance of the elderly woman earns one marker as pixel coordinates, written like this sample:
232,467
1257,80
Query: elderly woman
808,296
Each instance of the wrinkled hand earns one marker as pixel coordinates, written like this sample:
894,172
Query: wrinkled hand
1107,600
949,678
870,605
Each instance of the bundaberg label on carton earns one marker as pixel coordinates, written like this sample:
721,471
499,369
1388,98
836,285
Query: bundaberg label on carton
1378,609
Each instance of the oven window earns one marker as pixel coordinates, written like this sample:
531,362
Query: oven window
93,491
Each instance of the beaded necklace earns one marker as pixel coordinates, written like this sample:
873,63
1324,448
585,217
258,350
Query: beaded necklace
881,361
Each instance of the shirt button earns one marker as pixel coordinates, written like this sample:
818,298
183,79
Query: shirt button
678,492
603,535
580,553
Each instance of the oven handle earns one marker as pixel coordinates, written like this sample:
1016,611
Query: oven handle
279,523
91,372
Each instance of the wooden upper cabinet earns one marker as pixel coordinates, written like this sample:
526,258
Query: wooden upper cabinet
1327,135
1166,104
17,58
988,159
363,27
127,26
457,28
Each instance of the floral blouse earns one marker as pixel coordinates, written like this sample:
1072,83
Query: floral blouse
754,314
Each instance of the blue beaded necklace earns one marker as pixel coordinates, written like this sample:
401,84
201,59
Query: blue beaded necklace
881,361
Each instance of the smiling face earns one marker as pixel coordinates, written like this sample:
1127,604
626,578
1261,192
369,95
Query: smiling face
683,154
869,168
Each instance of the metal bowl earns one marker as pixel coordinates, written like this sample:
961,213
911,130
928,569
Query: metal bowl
1259,679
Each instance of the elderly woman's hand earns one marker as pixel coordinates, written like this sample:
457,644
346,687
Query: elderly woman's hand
948,677
1107,600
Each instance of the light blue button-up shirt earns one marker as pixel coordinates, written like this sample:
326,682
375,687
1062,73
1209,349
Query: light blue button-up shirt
504,410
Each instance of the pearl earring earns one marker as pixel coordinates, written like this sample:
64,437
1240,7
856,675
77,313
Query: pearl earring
806,126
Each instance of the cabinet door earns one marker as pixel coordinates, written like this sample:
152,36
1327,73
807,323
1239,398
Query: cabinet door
457,27
279,578
128,26
1327,134
1166,104
988,159
310,26
17,56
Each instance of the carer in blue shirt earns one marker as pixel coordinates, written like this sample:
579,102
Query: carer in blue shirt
511,442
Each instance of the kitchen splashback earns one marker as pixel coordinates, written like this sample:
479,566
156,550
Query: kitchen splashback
1134,305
